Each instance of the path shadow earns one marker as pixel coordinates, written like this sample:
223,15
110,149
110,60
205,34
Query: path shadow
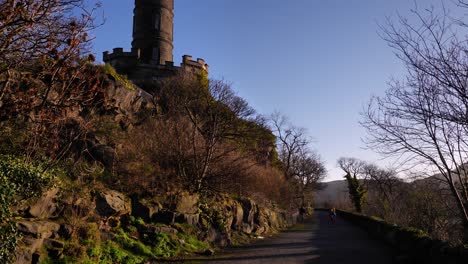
342,242
318,242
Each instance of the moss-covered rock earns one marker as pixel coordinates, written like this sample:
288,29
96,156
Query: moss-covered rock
159,227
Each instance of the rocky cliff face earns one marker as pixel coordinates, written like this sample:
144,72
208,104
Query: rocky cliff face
77,222
50,223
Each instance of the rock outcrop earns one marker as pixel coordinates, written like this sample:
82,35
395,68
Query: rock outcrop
180,208
112,203
145,209
45,207
38,228
218,220
128,100
38,234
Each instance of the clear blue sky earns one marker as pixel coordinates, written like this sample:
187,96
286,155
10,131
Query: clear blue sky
316,61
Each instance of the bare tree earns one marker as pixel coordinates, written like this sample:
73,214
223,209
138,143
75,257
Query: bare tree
213,122
352,166
385,192
309,171
292,143
223,93
303,168
384,180
45,68
49,31
209,123
423,119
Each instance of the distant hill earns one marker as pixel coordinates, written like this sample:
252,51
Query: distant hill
334,193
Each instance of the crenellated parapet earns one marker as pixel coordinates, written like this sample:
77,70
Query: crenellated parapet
130,64
118,53
123,62
152,46
195,66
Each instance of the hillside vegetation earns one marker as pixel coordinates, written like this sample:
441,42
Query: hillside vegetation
95,169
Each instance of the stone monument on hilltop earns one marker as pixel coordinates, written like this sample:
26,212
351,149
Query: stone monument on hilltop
151,56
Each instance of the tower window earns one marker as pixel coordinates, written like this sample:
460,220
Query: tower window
157,21
156,55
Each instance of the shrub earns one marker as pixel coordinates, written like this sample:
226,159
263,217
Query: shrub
8,240
18,178
203,139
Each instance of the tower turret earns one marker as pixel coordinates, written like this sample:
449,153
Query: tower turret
153,24
151,56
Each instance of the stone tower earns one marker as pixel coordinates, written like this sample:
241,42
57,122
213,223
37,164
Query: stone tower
151,57
153,23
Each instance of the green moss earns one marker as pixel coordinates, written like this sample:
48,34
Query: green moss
131,229
203,79
132,219
160,245
376,218
416,232
107,253
164,246
94,252
140,221
241,238
186,228
133,245
125,248
109,70
191,243
113,253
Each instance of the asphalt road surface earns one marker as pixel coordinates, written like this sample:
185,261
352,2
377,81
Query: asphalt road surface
316,242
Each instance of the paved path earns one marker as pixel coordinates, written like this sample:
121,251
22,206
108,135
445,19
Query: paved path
318,242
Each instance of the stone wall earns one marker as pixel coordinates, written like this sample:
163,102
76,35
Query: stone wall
411,245
220,220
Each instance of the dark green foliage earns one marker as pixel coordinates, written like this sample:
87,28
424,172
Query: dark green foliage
357,192
8,240
18,178
13,136
21,177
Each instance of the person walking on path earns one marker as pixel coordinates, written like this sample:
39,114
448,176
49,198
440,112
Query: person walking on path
332,215
302,212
